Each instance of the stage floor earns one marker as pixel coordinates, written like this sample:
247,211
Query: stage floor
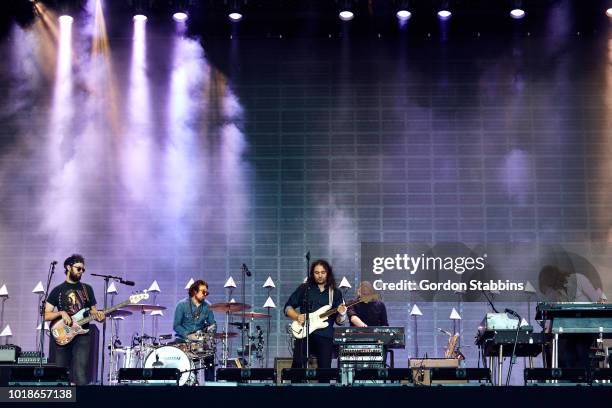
313,395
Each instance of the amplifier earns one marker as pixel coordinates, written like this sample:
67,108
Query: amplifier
281,363
421,370
9,353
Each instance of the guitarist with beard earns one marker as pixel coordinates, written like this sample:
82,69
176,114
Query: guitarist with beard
69,297
322,290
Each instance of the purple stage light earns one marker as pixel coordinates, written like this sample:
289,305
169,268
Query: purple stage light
346,15
235,17
140,17
65,19
403,15
444,14
180,17
517,13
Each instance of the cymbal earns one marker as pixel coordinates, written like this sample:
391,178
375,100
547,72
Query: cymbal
143,307
119,313
253,315
239,324
230,307
221,335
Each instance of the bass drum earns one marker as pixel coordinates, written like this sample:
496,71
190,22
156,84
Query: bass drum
172,357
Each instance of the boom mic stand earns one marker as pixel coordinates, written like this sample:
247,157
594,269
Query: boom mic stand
106,279
42,313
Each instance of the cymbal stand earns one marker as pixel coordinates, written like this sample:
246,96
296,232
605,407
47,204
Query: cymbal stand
224,342
142,337
247,348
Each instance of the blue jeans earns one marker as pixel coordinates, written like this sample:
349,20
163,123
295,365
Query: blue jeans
75,356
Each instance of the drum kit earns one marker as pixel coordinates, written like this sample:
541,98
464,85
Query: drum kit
192,355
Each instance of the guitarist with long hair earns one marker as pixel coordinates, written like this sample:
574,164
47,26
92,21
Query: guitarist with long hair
68,298
322,291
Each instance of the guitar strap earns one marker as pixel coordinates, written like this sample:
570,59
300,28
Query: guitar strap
330,292
85,293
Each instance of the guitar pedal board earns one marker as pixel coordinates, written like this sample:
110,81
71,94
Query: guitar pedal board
30,358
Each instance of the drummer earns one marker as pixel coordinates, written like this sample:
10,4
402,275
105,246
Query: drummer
192,315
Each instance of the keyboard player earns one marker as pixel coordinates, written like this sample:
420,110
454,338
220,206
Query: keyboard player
367,314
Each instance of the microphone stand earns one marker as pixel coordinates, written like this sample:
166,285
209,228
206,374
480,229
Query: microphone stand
106,279
42,313
307,311
512,357
245,272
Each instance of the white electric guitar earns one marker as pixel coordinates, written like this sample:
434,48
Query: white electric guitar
317,319
63,333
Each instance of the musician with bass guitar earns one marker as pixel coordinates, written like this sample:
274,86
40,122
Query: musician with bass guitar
69,298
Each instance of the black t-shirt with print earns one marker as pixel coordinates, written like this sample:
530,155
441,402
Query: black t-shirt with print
70,297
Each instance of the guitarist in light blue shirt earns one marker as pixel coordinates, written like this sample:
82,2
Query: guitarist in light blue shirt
321,290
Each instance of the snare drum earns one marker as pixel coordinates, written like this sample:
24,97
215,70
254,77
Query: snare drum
172,357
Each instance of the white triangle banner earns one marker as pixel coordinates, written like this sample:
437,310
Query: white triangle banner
154,287
3,291
6,331
38,289
230,283
529,288
188,285
344,283
454,315
269,303
269,283
416,311
112,289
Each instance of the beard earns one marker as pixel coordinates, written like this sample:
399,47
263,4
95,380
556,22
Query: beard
75,277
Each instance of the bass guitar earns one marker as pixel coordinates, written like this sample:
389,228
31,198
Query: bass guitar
63,333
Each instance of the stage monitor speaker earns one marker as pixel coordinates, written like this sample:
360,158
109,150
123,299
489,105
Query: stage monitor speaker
566,375
421,369
314,374
285,362
383,374
171,375
39,376
459,374
601,374
245,374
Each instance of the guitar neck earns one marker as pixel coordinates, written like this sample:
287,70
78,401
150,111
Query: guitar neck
89,318
335,309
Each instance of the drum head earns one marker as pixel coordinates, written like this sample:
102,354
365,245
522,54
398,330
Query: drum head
171,357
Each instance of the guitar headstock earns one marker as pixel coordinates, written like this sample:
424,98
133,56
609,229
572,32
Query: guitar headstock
369,298
137,297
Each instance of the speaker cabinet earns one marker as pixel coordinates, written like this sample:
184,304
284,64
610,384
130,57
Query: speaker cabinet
285,362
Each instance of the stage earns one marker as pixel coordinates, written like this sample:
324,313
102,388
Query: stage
298,396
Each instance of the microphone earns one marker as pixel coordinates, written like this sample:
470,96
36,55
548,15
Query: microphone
445,332
126,282
513,313
54,263
246,270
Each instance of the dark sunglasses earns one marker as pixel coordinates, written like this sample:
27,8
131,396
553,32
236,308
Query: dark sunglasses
79,268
